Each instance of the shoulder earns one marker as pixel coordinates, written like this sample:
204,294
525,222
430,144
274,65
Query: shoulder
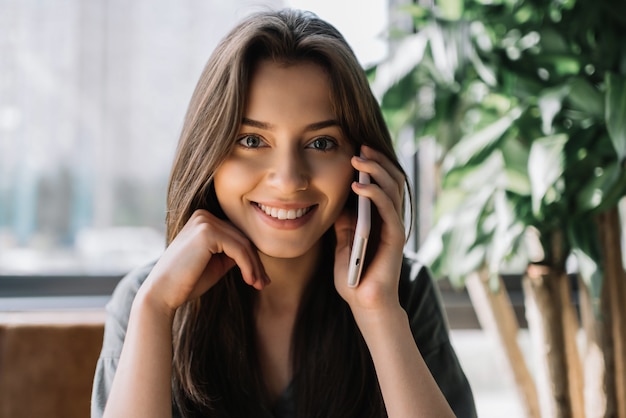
413,270
416,283
127,288
420,297
118,309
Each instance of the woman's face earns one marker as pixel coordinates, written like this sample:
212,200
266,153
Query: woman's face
288,176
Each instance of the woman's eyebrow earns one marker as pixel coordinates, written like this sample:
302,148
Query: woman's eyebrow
268,127
256,124
321,125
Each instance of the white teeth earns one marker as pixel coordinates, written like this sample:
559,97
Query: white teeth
283,214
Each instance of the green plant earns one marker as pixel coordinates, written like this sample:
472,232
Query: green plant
521,96
527,103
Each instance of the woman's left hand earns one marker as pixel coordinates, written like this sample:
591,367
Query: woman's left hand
378,287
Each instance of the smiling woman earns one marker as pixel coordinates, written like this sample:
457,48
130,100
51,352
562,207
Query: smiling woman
248,312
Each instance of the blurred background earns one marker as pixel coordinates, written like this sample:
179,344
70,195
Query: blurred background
508,116
92,97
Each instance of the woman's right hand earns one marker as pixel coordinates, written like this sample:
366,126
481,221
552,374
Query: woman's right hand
198,257
202,252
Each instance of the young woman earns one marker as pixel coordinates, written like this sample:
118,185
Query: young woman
248,313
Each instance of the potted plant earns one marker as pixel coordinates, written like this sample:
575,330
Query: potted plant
527,102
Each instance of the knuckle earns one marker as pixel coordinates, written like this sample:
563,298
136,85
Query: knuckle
199,213
204,228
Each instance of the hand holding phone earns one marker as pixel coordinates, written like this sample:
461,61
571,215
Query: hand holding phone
361,235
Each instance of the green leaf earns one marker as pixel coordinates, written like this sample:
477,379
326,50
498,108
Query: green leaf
586,249
449,200
450,9
457,245
471,145
441,48
515,153
616,112
517,181
472,177
583,96
550,103
416,11
594,193
449,250
516,166
486,72
546,164
400,94
553,42
408,55
614,194
565,65
507,232
463,257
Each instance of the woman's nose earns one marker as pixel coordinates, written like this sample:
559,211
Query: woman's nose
289,172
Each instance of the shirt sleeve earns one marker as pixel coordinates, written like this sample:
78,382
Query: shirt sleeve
422,302
118,311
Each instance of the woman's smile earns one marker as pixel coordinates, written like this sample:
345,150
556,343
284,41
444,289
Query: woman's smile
282,218
284,213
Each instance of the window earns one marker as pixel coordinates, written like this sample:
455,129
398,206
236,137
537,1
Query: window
92,98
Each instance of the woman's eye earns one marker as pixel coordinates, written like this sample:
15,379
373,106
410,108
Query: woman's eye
250,141
323,144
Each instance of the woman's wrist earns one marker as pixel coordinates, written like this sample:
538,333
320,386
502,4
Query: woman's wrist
148,303
375,323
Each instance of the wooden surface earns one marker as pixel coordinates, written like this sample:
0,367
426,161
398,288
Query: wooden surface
47,362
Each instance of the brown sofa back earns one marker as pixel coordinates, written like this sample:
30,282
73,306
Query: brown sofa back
47,363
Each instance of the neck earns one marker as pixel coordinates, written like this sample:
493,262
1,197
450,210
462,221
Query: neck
289,279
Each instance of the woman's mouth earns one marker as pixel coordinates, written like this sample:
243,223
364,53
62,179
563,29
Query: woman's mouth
284,214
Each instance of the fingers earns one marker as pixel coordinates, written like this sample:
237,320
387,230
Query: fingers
223,241
386,190
385,174
378,286
202,252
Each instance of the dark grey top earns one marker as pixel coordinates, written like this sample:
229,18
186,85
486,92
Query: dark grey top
418,296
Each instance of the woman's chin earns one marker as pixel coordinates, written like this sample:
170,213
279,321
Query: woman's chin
287,250
283,254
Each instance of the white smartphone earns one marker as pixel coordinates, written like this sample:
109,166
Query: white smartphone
361,235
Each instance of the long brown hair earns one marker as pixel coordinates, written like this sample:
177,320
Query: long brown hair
215,368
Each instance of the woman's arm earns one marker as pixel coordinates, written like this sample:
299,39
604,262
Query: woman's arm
421,300
142,382
407,386
204,250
